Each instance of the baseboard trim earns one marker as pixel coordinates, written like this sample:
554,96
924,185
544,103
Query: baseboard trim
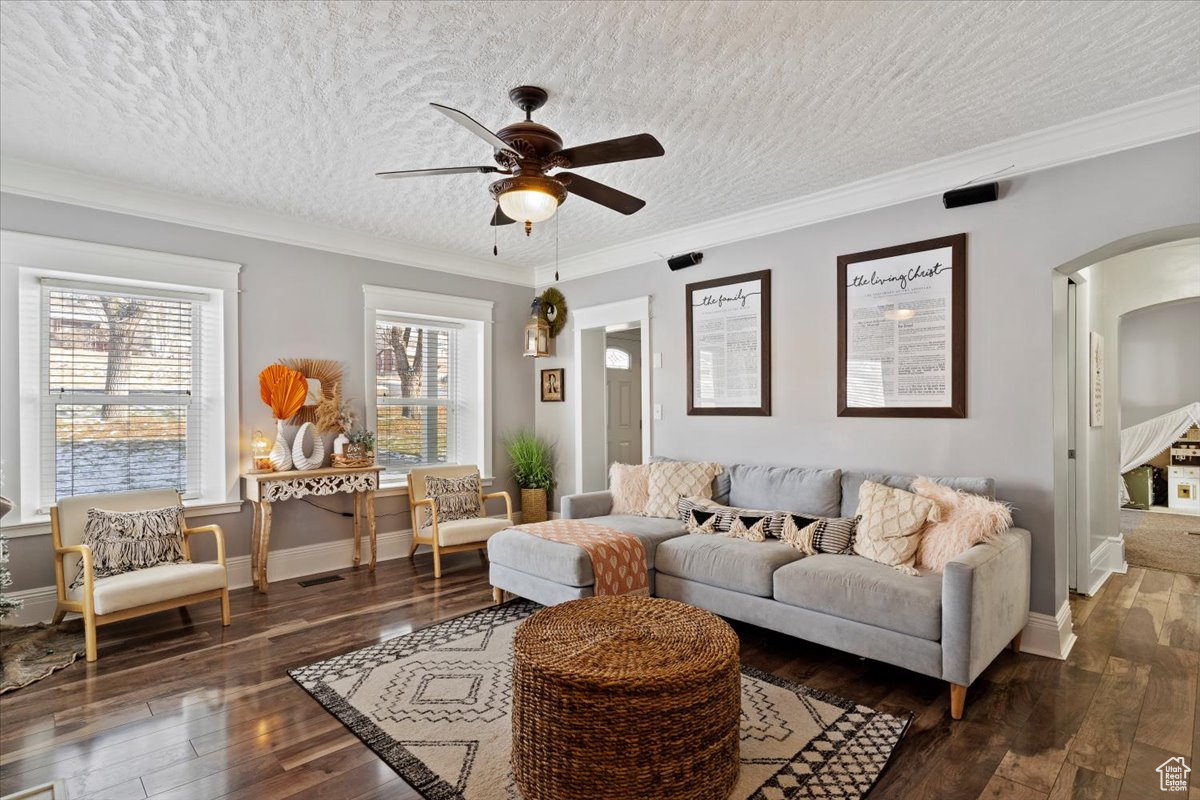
1106,559
1049,636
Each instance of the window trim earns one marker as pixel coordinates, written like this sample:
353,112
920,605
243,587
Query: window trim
428,307
25,259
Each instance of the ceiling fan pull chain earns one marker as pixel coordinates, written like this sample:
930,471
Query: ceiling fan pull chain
496,234
557,225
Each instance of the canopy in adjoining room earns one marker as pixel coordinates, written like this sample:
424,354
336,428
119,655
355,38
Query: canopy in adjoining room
1142,442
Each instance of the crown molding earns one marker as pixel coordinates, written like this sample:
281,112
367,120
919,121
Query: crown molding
66,186
1156,120
1144,123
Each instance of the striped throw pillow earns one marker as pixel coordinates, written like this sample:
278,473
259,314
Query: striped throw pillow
821,535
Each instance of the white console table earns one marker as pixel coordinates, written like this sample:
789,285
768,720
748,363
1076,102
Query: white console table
265,488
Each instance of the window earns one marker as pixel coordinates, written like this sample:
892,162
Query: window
616,358
429,377
416,393
120,402
125,365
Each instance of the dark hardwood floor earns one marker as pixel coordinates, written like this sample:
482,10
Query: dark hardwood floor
198,711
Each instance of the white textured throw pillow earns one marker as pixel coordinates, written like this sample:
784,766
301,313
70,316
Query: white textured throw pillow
671,480
889,530
630,487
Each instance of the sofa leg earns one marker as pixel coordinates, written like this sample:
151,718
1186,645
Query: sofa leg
1016,643
497,595
958,698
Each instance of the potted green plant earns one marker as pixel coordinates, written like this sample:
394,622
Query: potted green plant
533,470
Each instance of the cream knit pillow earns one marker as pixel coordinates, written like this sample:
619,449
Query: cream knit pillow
671,480
890,529
630,487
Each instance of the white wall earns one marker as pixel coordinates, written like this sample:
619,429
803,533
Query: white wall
1042,221
1160,360
278,283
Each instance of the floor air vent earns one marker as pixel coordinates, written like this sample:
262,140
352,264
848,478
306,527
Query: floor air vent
319,581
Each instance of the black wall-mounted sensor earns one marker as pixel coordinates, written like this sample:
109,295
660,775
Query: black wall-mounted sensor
970,195
685,260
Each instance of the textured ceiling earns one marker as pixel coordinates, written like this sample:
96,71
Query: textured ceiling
291,107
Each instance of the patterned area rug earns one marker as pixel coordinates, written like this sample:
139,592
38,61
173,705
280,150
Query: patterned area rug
434,704
32,652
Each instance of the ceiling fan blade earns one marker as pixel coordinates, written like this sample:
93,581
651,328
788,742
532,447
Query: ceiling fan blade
500,218
627,148
473,126
599,193
420,173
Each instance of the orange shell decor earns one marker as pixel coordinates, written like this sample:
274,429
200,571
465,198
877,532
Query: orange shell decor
283,390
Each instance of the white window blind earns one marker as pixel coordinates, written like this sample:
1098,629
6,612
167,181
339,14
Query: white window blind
418,381
121,394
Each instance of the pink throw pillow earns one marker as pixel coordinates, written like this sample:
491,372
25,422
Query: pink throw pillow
958,522
630,487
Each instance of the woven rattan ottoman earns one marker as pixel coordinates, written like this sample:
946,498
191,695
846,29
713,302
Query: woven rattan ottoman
625,698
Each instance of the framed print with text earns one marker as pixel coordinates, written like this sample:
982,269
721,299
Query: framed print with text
902,330
729,345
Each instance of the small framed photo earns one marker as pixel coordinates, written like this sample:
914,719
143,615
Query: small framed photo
552,385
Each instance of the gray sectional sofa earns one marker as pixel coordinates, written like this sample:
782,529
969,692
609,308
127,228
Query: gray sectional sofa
949,626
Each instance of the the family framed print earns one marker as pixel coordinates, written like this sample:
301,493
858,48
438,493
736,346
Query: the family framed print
902,330
729,345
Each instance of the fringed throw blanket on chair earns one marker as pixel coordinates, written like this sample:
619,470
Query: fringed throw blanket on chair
618,559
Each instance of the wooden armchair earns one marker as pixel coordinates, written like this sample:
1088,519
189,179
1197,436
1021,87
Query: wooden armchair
454,535
131,594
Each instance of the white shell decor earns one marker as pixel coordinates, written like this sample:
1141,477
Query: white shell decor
317,456
281,452
339,444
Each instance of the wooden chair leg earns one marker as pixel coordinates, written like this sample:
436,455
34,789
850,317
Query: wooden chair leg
89,638
59,616
412,550
437,561
1016,643
225,607
958,699
497,595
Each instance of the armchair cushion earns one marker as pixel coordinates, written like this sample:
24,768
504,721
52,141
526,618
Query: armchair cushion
467,531
455,498
122,541
143,587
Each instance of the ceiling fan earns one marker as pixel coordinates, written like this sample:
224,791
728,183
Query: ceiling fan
526,151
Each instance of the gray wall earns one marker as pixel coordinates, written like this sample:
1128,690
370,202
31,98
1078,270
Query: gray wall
275,278
1043,220
1160,360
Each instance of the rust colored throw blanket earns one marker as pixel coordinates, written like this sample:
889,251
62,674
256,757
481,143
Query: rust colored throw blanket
618,559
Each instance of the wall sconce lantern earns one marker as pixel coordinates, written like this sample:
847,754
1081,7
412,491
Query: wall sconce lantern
537,332
260,447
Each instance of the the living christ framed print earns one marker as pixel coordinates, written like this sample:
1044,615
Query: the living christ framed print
729,345
902,330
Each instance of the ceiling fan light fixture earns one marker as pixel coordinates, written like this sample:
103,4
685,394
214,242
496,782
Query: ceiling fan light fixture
529,198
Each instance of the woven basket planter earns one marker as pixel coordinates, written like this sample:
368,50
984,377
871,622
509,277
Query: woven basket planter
533,505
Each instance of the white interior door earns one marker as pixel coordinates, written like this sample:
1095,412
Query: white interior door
624,404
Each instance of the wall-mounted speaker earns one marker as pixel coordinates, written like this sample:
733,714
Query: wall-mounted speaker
685,260
971,195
